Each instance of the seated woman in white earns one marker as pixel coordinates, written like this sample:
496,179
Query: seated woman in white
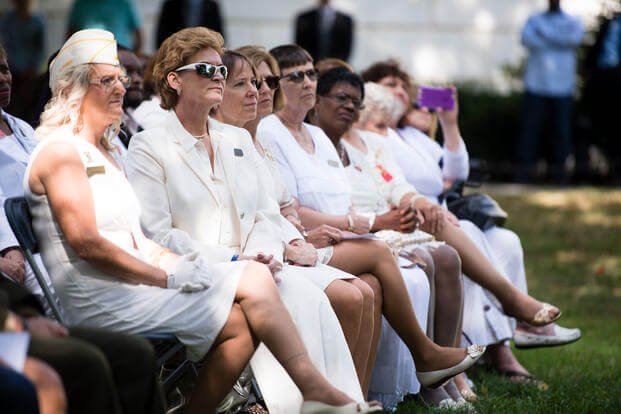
341,288
108,274
359,330
381,192
314,175
232,214
484,320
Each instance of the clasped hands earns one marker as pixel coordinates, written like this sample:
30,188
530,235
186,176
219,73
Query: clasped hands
12,264
410,216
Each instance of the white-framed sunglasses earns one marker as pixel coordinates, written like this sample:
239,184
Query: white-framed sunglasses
205,70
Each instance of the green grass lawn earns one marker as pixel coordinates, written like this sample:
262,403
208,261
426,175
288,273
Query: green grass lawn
571,240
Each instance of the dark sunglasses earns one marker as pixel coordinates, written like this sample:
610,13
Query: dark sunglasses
205,70
343,99
298,75
271,81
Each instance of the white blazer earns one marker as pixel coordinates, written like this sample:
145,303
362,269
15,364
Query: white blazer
180,207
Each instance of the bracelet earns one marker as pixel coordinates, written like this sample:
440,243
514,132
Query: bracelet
372,221
414,199
350,222
234,258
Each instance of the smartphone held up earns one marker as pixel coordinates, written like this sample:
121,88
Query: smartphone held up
436,98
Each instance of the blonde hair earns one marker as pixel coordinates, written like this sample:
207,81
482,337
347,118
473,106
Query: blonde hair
63,109
377,99
175,51
257,55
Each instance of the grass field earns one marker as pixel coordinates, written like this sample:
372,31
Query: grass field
572,243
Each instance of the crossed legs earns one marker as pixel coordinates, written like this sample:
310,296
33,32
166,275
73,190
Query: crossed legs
258,314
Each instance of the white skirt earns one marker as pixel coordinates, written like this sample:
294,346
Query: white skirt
195,318
322,335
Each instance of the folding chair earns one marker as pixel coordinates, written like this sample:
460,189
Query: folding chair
166,345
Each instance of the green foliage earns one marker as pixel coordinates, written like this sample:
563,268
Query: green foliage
571,242
489,122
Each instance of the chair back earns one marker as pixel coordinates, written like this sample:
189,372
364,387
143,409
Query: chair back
20,220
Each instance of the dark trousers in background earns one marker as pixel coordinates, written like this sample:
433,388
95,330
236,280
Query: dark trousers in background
103,372
537,111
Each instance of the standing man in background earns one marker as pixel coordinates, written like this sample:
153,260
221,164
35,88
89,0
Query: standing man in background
179,14
325,32
120,17
551,38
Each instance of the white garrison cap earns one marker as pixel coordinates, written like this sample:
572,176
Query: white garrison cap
85,46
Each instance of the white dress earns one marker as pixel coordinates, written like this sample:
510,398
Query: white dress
91,297
152,168
319,181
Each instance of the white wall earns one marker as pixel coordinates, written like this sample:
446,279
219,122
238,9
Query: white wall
437,40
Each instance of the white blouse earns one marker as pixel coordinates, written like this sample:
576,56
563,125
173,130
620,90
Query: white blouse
419,157
317,180
377,180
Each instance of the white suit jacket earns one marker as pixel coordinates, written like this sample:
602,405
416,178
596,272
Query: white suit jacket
180,207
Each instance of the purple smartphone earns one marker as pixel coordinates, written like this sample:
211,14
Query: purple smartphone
434,98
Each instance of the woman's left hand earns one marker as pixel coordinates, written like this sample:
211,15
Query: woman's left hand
300,253
449,118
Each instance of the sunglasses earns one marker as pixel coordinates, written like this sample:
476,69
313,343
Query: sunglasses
298,75
343,99
271,81
205,70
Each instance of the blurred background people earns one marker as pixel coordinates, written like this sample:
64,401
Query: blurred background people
178,14
120,17
551,38
325,32
22,32
134,94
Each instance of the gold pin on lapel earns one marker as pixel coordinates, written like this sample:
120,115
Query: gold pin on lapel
95,169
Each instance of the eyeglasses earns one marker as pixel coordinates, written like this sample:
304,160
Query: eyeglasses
271,81
298,75
107,82
343,99
205,70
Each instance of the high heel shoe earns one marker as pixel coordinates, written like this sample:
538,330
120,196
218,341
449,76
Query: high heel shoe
437,378
316,407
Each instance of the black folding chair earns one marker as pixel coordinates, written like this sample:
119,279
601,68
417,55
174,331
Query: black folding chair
166,345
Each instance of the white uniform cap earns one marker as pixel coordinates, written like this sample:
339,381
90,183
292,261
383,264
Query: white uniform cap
85,46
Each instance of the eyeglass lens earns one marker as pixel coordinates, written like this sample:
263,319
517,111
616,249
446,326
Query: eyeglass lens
298,75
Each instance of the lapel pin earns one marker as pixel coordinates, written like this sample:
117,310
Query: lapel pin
238,152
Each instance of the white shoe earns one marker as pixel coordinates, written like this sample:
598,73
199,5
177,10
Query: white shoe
435,379
562,336
316,407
